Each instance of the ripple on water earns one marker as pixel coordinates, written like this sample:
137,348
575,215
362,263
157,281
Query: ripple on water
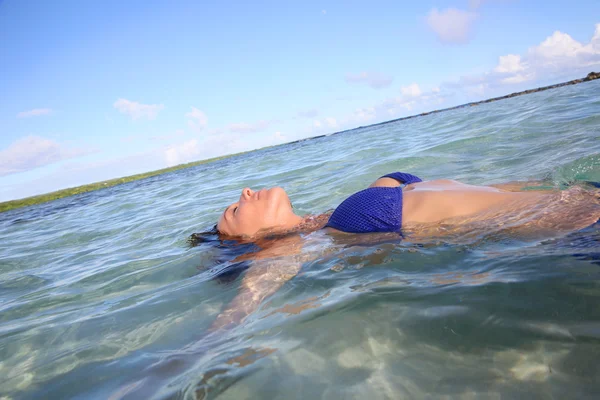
101,296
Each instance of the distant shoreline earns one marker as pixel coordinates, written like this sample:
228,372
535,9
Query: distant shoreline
44,198
590,77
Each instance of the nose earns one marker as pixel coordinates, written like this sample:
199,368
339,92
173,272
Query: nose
246,194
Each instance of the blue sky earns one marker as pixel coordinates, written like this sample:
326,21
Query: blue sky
93,90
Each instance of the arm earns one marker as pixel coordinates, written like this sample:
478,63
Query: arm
263,279
277,261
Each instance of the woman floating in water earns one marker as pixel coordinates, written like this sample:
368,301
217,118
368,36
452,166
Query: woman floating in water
397,203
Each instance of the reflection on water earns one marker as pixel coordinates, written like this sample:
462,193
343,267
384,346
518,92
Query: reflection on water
102,297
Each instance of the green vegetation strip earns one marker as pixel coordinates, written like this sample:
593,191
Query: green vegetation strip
43,198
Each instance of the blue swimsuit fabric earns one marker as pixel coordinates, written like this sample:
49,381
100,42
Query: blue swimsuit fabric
376,209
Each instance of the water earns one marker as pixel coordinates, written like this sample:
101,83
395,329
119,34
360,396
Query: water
101,297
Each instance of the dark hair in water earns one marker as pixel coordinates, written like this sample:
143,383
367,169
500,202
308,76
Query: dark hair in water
211,235
224,266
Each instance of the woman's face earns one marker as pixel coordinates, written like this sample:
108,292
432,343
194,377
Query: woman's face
256,211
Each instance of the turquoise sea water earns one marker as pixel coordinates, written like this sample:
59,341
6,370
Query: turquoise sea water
102,297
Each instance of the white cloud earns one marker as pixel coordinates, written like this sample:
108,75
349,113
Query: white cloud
560,52
557,46
452,26
34,152
331,122
36,112
217,145
245,127
197,120
182,153
364,114
373,79
559,56
412,90
280,137
509,63
478,90
169,136
216,131
75,173
325,124
78,173
515,79
412,99
130,138
396,105
595,42
308,113
137,110
475,4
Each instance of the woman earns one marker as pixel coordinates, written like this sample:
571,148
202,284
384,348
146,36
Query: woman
399,203
386,206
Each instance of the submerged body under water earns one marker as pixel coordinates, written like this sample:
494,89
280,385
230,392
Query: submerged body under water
102,297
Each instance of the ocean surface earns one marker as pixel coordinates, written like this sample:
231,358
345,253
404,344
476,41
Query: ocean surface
102,297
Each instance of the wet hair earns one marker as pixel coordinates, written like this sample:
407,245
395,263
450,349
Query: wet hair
211,235
223,266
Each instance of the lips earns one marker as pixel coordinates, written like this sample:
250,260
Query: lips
258,194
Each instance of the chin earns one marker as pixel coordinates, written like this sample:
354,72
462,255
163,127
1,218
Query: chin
279,198
278,193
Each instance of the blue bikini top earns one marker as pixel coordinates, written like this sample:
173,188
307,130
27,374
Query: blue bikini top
376,209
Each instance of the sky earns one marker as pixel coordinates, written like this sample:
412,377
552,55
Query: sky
94,90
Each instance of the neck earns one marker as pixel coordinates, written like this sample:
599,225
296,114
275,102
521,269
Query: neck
306,224
291,221
310,223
